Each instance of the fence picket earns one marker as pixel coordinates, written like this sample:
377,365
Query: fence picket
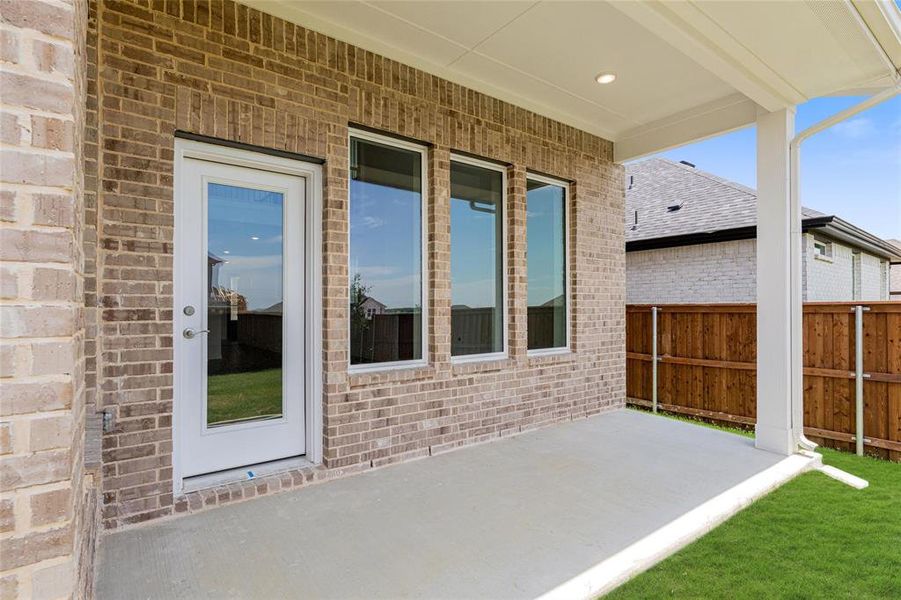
707,367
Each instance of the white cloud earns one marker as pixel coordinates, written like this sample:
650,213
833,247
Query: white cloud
373,222
375,271
254,262
858,128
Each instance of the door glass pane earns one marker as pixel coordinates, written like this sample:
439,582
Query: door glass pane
244,310
385,253
477,290
546,258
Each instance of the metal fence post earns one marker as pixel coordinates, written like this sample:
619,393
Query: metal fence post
858,378
654,357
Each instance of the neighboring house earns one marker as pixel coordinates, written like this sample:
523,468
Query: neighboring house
894,289
372,307
690,237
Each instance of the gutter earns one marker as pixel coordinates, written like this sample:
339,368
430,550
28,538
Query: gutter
794,151
833,226
689,239
844,231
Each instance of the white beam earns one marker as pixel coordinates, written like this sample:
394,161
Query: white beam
882,23
701,122
688,29
778,285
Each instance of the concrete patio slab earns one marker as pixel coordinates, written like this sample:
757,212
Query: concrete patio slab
567,510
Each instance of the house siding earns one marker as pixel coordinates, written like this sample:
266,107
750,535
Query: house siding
895,282
726,272
833,279
221,69
720,272
47,498
828,279
872,277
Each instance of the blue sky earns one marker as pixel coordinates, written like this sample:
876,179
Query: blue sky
386,243
545,243
852,170
245,231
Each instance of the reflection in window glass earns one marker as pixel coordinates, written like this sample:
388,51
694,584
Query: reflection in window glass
546,257
385,253
244,305
477,282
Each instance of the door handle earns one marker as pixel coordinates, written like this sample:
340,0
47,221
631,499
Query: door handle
191,334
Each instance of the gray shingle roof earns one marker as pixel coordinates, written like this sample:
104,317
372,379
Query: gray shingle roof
709,203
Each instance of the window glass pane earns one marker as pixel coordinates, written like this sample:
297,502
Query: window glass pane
477,281
385,253
546,248
244,307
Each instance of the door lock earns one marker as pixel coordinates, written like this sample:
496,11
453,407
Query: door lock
191,334
189,310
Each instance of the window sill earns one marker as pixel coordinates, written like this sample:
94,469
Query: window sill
384,367
478,358
825,259
556,355
548,352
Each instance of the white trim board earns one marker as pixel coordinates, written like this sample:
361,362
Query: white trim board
422,149
504,243
567,262
677,534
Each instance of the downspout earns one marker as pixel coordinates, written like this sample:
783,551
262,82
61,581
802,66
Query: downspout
797,367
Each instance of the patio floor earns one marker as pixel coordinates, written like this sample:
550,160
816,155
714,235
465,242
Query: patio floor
569,509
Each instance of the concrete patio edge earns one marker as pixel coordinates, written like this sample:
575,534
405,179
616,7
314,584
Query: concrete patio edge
648,551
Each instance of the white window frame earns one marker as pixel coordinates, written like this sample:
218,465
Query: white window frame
422,149
827,249
567,206
504,352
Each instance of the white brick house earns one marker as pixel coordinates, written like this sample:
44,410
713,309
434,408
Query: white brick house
894,289
691,237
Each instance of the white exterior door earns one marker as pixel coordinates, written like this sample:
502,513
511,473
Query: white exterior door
239,316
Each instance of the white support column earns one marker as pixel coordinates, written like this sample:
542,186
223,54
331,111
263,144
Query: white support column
778,286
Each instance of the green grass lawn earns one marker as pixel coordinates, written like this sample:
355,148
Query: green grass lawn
244,395
812,538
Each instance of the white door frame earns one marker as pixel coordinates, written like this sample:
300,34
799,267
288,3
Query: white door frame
312,173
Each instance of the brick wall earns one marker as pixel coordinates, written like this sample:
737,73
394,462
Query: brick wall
832,279
873,278
721,272
46,499
726,272
895,281
224,70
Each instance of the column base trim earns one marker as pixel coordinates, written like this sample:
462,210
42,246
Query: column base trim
774,439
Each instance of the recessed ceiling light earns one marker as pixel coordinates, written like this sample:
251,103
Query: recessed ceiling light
254,237
605,78
225,252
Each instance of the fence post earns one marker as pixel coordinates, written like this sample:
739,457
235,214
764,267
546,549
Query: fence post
858,377
654,357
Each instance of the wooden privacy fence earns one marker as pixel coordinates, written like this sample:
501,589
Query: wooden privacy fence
707,367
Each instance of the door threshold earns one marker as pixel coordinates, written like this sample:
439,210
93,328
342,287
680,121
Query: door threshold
246,473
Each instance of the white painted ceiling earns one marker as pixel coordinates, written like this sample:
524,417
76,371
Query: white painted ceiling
685,70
